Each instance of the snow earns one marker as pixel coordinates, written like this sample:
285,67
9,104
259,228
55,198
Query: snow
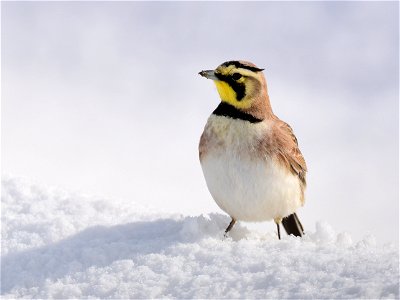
57,244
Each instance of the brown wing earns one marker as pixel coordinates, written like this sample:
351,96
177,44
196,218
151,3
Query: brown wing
288,151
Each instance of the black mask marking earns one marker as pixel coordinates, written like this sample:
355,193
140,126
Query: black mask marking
238,87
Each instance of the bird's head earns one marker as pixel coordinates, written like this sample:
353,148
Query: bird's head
239,83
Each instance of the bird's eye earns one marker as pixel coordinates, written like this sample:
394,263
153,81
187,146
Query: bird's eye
236,76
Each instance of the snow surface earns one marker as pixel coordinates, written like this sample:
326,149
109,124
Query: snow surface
57,244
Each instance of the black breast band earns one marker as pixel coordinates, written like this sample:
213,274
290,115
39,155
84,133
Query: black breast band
227,110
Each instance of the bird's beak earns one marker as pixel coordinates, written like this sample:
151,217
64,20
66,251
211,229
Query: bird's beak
209,74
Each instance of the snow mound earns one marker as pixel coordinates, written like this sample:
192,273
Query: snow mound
61,245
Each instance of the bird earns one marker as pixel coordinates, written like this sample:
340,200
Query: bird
251,161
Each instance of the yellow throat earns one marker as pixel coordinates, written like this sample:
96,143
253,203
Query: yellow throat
227,94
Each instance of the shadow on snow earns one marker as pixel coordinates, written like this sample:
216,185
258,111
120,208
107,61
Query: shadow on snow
97,246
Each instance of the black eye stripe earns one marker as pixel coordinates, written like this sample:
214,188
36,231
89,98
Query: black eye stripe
238,87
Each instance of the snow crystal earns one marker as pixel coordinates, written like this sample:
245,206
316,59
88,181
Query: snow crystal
60,245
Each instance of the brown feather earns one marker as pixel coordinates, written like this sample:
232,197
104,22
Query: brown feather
287,152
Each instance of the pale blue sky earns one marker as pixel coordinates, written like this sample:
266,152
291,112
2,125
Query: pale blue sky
105,98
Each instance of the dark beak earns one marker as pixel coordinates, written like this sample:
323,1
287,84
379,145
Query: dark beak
209,74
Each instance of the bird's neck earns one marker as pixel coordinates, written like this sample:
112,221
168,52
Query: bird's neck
257,112
261,107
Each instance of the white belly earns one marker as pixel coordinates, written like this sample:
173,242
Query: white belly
251,189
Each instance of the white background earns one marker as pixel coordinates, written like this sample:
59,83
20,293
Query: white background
104,98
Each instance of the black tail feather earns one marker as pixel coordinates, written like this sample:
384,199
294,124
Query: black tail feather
292,225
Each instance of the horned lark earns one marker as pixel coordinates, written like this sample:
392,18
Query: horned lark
251,161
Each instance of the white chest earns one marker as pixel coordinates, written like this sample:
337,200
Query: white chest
247,187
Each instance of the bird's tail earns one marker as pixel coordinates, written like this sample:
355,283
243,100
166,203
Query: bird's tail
292,225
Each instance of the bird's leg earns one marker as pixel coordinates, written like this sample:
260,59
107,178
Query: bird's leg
278,221
229,227
279,230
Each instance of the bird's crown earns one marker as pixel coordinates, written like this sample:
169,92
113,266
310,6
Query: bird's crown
238,82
